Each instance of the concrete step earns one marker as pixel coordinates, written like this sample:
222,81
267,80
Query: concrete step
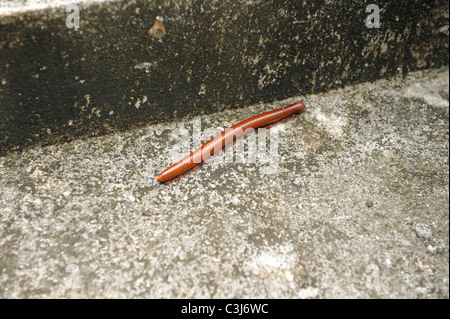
353,204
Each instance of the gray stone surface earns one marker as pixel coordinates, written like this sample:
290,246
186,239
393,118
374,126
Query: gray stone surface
87,219
57,83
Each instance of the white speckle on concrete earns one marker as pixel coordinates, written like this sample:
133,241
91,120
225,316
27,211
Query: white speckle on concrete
333,124
309,292
144,65
202,90
138,103
428,92
272,259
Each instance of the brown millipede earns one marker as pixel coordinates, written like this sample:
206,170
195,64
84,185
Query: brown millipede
227,137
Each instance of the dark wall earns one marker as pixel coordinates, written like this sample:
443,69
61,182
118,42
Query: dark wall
58,83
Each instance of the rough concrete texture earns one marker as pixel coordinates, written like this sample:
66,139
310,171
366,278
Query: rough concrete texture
58,83
87,219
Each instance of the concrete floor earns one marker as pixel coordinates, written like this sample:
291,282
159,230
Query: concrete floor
87,219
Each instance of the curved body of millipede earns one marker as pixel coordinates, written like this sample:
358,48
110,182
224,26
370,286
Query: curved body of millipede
226,137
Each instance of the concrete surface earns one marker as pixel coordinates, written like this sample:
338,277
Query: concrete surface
59,82
87,219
